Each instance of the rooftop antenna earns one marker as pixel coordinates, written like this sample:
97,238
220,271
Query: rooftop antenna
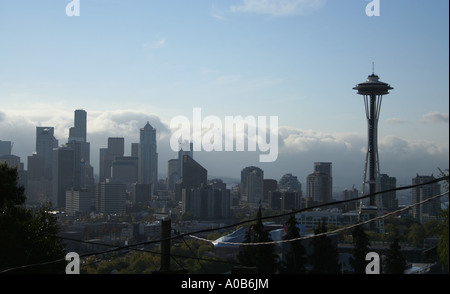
373,67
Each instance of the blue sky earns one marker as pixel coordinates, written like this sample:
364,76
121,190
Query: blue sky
126,62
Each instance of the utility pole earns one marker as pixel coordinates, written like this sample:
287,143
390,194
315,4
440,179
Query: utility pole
165,245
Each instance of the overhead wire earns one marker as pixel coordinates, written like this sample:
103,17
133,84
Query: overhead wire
325,233
191,234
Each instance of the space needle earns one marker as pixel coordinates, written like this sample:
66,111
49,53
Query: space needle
373,91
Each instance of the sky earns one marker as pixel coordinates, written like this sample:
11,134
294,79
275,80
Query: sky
127,62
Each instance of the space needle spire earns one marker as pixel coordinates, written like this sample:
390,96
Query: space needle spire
372,91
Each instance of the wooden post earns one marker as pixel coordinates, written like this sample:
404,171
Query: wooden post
165,245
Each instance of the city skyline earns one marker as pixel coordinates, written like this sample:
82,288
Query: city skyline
127,63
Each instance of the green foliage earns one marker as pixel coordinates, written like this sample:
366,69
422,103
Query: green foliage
191,255
324,258
443,240
262,257
444,230
296,256
26,237
360,249
395,263
11,193
416,235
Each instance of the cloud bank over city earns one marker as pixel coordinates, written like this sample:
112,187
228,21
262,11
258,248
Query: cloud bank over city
298,149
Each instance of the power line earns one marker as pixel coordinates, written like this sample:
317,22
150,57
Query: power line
191,234
329,232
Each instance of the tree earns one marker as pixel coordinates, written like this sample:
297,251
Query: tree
26,237
360,249
395,263
11,193
295,257
324,257
443,239
416,235
260,256
444,230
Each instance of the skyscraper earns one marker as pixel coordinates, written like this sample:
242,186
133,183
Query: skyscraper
84,172
428,210
186,148
5,147
195,176
40,166
148,156
63,174
45,142
319,184
390,202
79,130
111,197
107,156
290,183
252,185
173,173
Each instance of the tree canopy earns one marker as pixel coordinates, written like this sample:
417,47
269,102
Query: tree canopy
27,237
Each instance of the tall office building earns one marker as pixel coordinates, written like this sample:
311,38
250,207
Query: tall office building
290,183
186,148
5,147
207,203
84,172
285,200
78,201
148,157
173,173
252,178
111,197
135,149
45,142
428,210
268,186
124,169
40,165
390,201
195,176
79,130
319,184
63,174
115,149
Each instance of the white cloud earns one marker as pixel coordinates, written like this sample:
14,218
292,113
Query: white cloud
217,14
278,8
396,121
298,148
154,45
435,117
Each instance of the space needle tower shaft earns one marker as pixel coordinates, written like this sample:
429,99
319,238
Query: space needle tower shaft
372,91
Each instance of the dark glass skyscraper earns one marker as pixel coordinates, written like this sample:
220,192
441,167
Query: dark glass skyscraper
78,131
148,156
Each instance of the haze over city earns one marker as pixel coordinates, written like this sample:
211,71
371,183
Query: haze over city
129,62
